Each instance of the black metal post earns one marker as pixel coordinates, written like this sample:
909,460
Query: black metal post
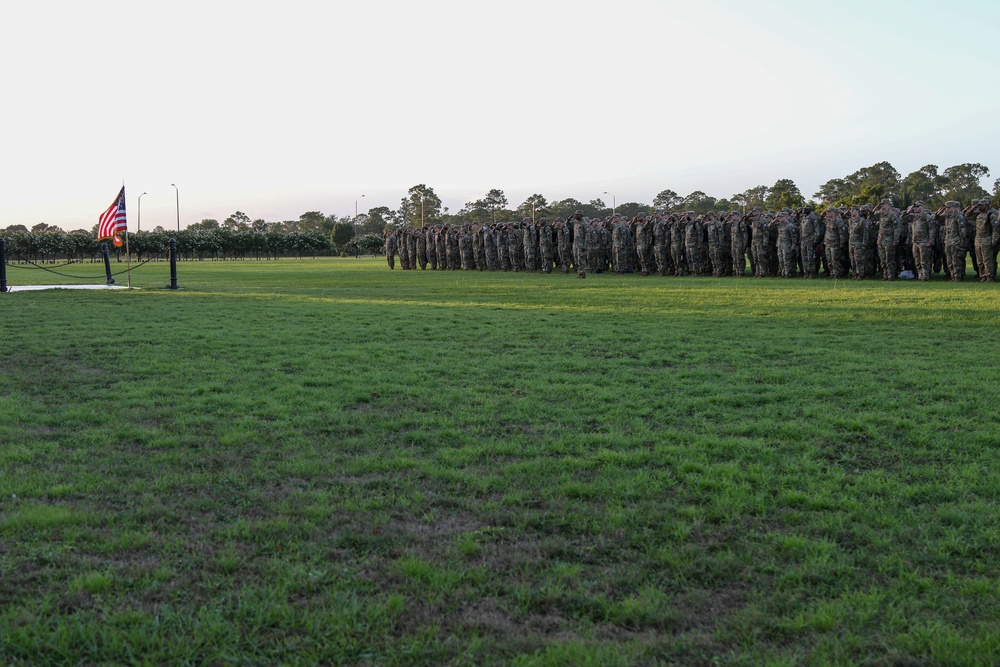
107,263
173,264
3,266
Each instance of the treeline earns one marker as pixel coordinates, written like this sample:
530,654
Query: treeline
215,244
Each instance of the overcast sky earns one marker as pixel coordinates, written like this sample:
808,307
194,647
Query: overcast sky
276,109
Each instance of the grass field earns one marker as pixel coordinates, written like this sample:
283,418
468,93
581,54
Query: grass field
322,461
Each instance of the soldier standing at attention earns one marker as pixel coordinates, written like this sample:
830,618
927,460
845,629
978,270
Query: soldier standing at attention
788,242
985,220
922,234
952,222
421,238
889,232
580,226
738,243
390,248
692,243
808,240
834,223
562,247
856,242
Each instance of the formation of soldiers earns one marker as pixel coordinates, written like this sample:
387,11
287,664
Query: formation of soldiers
857,242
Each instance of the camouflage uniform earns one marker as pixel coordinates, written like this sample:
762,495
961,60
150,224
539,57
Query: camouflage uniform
390,249
717,245
619,233
952,224
441,244
809,237
421,239
738,243
546,248
490,248
856,243
563,246
479,248
580,226
516,238
661,245
787,243
644,244
759,233
923,231
985,222
530,244
676,227
834,228
889,231
692,243
503,248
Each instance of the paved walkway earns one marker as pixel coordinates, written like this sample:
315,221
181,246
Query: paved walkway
33,288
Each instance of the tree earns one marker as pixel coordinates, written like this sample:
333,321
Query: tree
490,205
341,235
963,182
752,197
237,221
667,200
631,209
783,194
205,224
924,184
314,221
420,199
535,204
698,202
996,193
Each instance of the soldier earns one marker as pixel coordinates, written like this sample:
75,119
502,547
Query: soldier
516,237
644,244
809,238
619,233
738,242
922,234
693,243
421,240
546,246
503,247
856,242
430,242
787,243
465,249
564,247
716,229
454,248
985,221
889,231
530,244
869,246
580,225
759,233
834,227
952,223
479,247
441,244
661,244
676,224
390,248
490,248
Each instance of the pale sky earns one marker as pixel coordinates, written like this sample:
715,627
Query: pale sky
281,108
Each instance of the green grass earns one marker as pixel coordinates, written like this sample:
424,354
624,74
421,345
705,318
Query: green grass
322,461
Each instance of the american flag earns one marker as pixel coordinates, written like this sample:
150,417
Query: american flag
113,220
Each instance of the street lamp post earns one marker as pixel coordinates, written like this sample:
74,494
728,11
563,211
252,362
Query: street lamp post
177,192
421,208
614,203
138,218
356,207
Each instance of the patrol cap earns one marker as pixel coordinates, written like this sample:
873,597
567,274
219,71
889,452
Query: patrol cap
918,203
886,201
734,212
952,202
689,213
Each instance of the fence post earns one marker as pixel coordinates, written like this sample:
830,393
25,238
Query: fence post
3,266
107,263
173,264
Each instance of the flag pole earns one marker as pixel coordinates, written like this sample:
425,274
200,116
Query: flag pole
128,256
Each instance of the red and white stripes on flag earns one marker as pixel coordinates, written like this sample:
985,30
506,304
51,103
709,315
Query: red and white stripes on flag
113,220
